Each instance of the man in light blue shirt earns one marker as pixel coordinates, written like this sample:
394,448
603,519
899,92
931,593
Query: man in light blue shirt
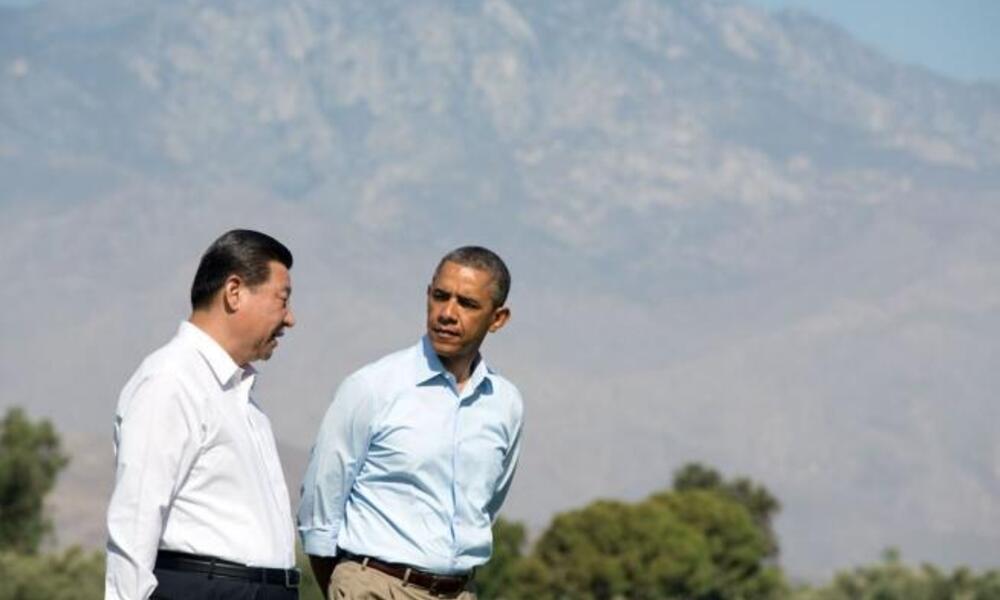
417,451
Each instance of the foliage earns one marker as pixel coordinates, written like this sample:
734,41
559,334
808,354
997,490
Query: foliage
762,505
30,459
694,545
707,539
740,550
893,580
74,574
502,572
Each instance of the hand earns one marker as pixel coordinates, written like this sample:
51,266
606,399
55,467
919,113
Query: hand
322,568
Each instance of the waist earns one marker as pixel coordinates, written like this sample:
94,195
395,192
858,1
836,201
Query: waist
210,566
433,582
402,536
242,531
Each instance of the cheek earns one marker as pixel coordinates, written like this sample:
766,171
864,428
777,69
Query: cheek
476,325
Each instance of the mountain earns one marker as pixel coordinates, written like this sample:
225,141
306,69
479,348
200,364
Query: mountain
736,237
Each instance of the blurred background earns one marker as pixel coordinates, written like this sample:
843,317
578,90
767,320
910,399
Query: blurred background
757,236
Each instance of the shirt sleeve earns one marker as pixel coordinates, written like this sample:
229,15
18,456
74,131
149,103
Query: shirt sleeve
157,437
509,467
336,459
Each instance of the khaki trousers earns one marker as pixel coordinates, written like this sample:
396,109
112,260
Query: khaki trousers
351,581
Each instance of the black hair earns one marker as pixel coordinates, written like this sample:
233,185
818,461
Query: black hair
241,252
483,259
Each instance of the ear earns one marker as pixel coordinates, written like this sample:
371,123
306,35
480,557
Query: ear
232,292
500,317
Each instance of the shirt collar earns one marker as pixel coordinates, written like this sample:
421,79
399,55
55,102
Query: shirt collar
223,366
428,365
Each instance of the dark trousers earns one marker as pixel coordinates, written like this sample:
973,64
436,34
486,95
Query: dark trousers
184,585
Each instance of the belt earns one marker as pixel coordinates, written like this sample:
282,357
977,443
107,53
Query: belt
435,584
169,560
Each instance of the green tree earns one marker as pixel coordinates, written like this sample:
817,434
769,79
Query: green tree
891,579
498,578
30,459
696,545
740,551
762,505
74,574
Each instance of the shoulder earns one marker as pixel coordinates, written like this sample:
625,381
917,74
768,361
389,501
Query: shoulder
375,382
391,366
506,392
504,386
167,375
387,374
175,358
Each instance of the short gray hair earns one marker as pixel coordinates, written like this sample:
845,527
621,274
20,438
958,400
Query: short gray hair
483,259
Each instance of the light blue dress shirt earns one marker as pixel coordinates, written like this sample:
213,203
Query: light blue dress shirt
409,470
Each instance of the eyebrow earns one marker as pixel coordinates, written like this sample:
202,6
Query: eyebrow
461,298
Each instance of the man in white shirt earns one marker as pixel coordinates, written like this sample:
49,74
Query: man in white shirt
200,508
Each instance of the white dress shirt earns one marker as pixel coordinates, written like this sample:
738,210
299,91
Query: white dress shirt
197,469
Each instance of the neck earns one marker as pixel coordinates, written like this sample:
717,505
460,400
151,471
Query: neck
217,331
460,366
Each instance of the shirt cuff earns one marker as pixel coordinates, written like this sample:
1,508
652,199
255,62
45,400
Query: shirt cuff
319,542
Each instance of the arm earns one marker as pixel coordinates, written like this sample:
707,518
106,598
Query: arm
336,459
157,435
509,468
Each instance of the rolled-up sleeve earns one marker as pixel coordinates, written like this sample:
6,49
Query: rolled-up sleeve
157,437
336,458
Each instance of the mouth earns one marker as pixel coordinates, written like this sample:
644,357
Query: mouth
445,333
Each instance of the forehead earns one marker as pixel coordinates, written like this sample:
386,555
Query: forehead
462,278
278,275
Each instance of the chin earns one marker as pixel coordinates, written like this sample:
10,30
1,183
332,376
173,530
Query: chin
446,350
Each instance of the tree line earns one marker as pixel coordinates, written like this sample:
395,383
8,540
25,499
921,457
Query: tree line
704,538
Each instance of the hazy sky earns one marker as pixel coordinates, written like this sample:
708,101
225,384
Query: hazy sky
958,38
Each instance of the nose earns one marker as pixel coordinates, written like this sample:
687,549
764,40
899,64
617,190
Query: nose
448,312
289,318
